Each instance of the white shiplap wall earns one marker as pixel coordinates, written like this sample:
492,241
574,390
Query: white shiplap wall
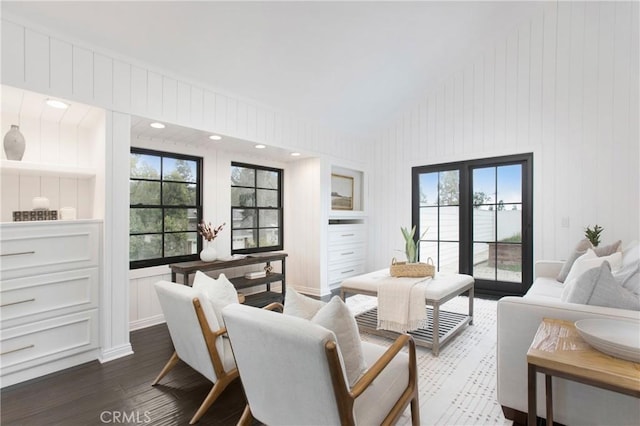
35,59
564,86
38,61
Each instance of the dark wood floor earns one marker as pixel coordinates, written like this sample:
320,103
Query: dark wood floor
95,394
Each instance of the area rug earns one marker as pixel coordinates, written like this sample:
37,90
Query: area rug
458,387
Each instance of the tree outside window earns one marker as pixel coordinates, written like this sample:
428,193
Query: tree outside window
165,207
256,208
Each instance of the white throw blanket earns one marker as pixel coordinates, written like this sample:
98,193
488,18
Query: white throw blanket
401,304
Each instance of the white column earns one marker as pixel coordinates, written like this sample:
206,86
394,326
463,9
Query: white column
114,333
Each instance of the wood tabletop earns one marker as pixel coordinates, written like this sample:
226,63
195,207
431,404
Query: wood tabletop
198,265
558,346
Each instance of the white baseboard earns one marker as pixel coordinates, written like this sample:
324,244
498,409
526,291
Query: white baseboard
115,353
146,322
310,291
47,368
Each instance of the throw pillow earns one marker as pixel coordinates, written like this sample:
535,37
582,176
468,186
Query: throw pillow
629,274
590,260
578,251
299,305
336,317
608,249
598,287
220,292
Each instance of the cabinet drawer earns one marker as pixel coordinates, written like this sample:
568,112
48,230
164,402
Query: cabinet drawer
40,342
341,234
346,252
45,249
338,273
41,296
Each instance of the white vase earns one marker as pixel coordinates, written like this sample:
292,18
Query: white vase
208,253
14,143
40,203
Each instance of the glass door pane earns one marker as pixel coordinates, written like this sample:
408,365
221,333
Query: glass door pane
497,223
439,213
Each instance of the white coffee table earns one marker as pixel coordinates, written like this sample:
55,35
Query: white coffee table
440,326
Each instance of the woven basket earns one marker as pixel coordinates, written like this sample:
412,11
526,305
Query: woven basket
404,269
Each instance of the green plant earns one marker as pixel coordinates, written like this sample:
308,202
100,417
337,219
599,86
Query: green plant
593,235
411,247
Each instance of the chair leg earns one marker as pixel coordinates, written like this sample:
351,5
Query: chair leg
219,386
168,366
247,417
415,411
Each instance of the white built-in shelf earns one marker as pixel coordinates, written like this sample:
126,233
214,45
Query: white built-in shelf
346,214
11,167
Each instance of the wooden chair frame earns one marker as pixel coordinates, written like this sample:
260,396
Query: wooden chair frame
345,399
224,378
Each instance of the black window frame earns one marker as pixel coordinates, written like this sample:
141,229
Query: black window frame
465,168
257,227
165,260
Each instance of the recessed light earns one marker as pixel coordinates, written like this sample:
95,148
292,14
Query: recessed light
295,154
215,137
260,146
157,125
54,103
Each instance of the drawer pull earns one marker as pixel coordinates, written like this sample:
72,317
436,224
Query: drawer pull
347,235
18,302
346,272
18,253
347,253
16,350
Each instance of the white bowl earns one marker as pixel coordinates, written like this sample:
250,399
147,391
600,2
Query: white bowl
618,338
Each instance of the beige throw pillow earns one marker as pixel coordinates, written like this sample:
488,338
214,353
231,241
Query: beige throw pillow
334,316
337,317
590,260
608,249
580,249
219,292
299,305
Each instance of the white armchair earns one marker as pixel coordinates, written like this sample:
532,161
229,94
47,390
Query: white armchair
292,372
197,339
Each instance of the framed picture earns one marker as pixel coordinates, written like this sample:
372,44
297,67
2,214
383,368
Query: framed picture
341,192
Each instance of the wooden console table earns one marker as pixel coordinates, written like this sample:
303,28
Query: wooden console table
558,350
260,299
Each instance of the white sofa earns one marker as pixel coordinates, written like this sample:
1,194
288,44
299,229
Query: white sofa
518,321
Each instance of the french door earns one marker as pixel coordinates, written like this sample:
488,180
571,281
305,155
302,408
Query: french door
475,217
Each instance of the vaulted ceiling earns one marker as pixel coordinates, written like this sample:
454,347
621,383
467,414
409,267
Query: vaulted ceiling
349,66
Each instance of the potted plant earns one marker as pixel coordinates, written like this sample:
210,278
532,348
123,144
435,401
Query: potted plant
593,235
410,246
411,268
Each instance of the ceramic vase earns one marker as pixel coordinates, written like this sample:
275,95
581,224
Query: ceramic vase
208,253
14,143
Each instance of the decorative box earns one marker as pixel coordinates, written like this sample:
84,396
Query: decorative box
33,215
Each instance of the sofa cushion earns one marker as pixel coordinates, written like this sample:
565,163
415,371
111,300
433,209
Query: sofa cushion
598,286
590,260
579,250
545,287
608,249
301,306
376,402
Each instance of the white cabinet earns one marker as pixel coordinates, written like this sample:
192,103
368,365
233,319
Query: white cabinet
346,251
49,292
